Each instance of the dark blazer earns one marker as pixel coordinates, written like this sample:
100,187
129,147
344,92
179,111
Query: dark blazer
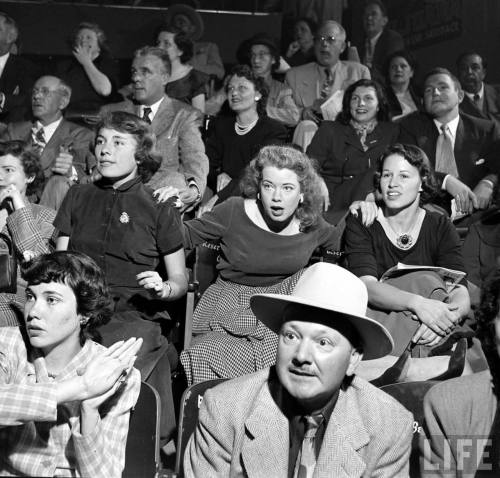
16,82
477,144
491,104
394,105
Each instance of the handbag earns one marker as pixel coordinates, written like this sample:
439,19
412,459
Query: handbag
8,266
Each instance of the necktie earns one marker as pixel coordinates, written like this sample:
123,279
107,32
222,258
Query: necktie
306,461
326,88
145,114
39,139
368,53
445,158
478,101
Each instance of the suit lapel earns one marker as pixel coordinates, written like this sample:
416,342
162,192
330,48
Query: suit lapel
265,446
8,80
163,117
51,150
459,139
491,101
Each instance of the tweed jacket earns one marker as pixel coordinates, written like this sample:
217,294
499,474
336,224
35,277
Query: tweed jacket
477,144
178,141
241,432
67,134
463,407
491,104
306,80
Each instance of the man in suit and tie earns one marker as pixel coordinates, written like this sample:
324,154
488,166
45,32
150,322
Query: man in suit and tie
184,167
64,146
481,100
309,415
462,149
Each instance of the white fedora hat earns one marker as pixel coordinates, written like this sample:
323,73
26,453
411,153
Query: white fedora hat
328,287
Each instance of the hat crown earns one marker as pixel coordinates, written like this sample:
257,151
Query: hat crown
333,288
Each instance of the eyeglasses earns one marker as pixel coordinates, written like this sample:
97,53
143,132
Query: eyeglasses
330,40
44,91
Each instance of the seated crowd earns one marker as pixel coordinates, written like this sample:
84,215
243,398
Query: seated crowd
357,227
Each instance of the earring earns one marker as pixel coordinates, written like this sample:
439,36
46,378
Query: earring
257,98
301,199
420,190
83,321
258,196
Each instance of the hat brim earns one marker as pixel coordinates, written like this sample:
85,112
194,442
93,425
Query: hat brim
191,13
376,339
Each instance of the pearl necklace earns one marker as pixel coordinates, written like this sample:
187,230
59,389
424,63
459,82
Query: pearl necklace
402,240
241,130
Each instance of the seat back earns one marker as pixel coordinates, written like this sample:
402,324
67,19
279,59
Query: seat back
142,454
411,396
188,416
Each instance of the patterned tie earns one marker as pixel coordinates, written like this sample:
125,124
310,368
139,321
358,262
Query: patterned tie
445,158
145,114
326,88
39,140
306,461
368,59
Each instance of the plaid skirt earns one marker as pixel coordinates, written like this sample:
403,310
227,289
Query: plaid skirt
229,340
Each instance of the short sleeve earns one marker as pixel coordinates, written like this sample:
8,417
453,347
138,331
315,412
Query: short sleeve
361,257
449,251
62,222
169,230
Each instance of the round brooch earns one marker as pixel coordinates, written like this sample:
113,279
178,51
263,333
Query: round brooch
404,241
124,218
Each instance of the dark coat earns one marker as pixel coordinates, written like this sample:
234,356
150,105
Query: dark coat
491,104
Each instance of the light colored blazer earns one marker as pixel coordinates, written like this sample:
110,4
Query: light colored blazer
306,80
178,141
241,432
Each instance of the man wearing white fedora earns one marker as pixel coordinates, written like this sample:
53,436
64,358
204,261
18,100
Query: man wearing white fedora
309,416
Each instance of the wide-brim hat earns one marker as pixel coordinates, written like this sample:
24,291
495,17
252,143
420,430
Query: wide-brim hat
191,13
263,39
327,287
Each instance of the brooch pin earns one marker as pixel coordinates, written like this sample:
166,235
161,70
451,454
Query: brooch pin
124,218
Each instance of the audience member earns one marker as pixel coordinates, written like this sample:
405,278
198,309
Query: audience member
266,239
461,415
309,415
206,57
233,141
16,74
480,99
184,166
185,83
66,400
91,73
63,146
402,94
379,42
28,226
348,148
416,307
460,147
118,223
314,83
301,50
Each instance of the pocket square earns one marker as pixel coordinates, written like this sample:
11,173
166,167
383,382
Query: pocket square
479,162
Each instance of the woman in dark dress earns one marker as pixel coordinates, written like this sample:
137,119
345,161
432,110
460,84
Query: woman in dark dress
136,241
417,306
301,50
91,73
347,149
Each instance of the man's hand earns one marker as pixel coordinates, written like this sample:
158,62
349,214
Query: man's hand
310,113
484,193
223,179
208,206
367,209
63,164
162,194
325,195
466,201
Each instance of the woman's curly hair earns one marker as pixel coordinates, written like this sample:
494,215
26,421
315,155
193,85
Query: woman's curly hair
244,71
417,158
287,157
83,276
148,161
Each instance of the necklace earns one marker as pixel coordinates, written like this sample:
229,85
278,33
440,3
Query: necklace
403,240
241,130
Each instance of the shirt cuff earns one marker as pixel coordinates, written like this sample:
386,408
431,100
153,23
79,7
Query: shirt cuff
2,101
74,175
443,186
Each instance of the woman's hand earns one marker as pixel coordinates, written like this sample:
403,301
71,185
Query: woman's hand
292,49
425,336
11,192
153,283
223,180
367,209
324,195
208,206
438,316
82,54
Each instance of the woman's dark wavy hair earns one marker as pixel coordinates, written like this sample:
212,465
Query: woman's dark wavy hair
148,161
486,316
181,40
287,157
244,71
417,158
102,41
383,106
407,55
29,159
83,276
313,26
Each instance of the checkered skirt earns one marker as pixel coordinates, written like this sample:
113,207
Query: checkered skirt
230,341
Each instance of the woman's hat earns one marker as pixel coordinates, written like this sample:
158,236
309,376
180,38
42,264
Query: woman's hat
327,287
189,12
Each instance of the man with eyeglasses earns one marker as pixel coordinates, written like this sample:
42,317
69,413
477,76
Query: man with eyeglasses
63,146
315,83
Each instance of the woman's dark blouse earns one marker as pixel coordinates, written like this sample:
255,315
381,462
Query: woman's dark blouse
230,153
301,58
124,230
186,88
369,251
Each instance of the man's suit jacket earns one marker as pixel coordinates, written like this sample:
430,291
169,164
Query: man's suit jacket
17,79
242,432
67,134
491,104
477,144
463,407
178,141
306,80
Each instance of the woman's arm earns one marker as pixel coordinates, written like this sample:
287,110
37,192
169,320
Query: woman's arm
99,81
198,102
459,297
